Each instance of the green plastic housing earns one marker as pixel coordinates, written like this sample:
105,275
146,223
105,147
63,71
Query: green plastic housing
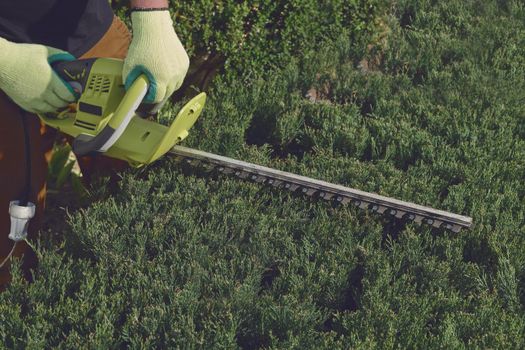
104,101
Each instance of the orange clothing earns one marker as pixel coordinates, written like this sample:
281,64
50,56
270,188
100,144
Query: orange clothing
114,43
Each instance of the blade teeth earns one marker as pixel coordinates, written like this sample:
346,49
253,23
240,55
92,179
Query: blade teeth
342,199
377,208
363,205
241,174
247,171
456,228
308,191
293,187
326,195
208,167
381,210
410,217
275,183
400,214
428,221
434,222
360,204
345,200
451,227
260,179
437,223
193,162
418,219
392,212
329,196
223,170
290,186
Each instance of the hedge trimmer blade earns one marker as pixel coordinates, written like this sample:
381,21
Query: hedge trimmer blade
325,190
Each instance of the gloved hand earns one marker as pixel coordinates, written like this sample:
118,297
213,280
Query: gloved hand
157,52
27,78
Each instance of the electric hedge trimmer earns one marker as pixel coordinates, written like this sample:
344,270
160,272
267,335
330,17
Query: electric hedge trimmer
107,119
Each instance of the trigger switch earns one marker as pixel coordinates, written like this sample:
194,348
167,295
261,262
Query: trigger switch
77,87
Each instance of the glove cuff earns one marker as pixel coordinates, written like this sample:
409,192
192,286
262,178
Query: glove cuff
150,22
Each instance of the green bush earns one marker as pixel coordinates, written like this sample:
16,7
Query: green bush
256,35
431,114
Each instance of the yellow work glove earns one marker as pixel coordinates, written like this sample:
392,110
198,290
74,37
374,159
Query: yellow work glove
157,52
27,78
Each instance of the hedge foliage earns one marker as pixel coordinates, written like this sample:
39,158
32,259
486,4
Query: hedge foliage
255,35
177,259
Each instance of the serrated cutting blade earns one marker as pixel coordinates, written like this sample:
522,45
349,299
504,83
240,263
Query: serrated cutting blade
387,206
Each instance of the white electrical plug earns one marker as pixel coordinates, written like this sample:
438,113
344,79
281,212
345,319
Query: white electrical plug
20,217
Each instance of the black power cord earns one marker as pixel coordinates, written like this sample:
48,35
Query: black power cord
27,188
27,146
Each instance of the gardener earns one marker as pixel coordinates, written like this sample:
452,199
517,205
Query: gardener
36,32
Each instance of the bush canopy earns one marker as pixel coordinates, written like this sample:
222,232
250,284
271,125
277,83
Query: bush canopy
427,107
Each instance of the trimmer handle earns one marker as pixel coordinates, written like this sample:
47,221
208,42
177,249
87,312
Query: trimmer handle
85,144
76,73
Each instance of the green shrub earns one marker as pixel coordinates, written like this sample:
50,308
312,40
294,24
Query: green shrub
176,259
256,35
